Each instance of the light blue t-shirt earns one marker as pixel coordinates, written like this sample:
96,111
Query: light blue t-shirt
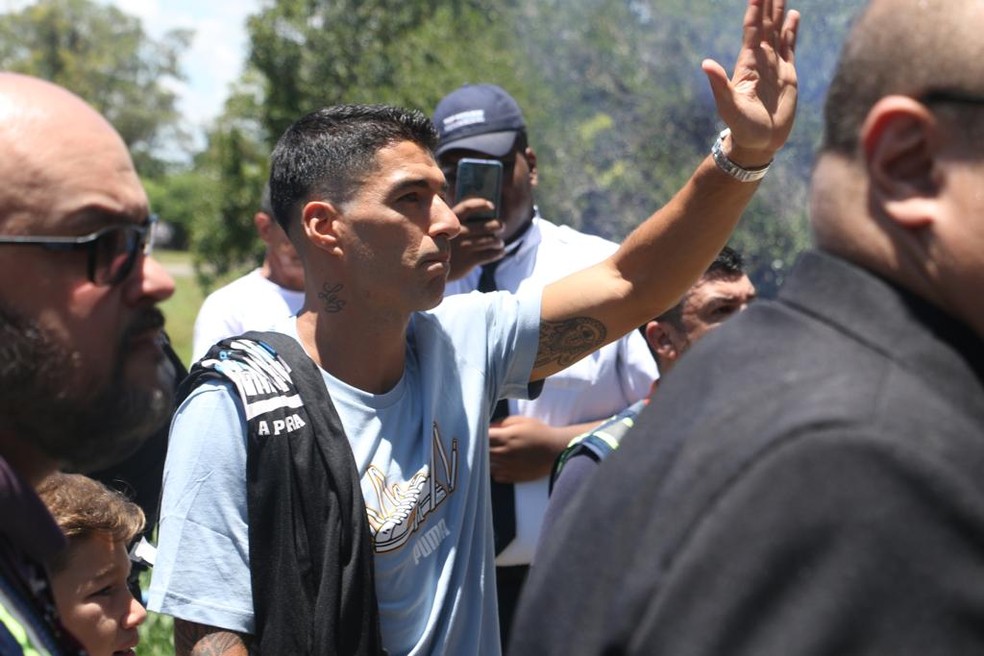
422,453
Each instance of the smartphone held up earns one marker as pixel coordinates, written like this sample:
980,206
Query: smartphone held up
479,178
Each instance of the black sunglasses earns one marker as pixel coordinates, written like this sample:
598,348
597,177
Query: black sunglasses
112,251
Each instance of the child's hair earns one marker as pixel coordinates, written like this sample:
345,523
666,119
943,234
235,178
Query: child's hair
83,507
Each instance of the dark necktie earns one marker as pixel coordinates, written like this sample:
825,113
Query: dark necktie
503,495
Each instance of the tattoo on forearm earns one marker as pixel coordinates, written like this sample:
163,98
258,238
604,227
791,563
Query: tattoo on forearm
565,342
192,639
329,297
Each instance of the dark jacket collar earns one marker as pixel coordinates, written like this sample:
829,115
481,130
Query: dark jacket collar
911,331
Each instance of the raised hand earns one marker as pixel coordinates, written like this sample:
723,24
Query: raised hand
758,102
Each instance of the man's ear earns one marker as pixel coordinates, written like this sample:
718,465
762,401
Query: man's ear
263,222
530,156
901,141
319,220
659,341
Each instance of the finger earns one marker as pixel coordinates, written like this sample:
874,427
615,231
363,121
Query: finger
479,239
770,30
777,22
752,24
717,77
778,11
490,226
491,245
790,31
469,206
481,228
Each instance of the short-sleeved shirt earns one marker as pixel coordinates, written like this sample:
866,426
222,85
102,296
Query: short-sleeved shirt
593,388
252,302
422,453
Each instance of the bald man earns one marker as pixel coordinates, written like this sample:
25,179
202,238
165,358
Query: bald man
824,490
81,380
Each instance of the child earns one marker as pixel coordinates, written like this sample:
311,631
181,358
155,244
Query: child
89,578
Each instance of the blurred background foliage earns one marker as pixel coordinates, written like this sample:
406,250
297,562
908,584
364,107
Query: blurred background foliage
619,111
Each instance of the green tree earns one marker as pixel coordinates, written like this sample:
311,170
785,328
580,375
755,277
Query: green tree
314,53
104,56
178,198
618,121
623,113
224,239
618,107
305,55
232,170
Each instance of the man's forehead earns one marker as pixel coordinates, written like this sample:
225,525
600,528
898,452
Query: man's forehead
402,160
56,172
719,285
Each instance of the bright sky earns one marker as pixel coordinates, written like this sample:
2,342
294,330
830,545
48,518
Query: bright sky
217,52
216,55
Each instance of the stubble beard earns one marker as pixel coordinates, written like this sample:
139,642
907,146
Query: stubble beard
82,425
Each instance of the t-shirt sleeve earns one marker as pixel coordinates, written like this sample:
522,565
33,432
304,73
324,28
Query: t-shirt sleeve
202,569
514,335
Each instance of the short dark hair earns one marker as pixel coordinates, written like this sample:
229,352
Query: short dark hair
728,264
330,152
884,54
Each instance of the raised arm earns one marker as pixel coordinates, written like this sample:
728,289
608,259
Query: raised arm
661,258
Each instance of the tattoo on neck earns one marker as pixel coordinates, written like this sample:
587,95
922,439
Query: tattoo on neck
329,298
565,342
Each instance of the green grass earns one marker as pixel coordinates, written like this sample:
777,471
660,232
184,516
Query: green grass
182,308
156,634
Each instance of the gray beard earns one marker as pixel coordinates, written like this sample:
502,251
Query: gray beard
84,428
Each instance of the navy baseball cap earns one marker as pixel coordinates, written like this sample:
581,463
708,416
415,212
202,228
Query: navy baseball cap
479,117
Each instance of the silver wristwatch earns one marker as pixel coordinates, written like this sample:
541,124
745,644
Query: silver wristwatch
737,172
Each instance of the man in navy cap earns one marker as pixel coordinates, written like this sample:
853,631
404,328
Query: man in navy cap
516,250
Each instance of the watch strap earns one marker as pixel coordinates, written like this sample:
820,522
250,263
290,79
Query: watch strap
736,171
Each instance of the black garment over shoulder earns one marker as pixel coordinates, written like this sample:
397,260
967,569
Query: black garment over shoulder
310,550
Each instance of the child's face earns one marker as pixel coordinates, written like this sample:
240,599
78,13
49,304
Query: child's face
93,599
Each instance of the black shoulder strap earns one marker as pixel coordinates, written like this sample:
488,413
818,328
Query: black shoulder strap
310,548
